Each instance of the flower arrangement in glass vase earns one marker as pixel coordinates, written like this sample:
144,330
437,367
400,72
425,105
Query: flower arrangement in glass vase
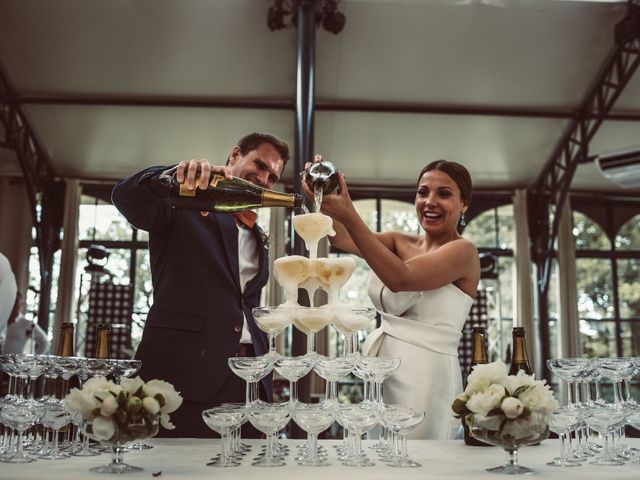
506,410
121,413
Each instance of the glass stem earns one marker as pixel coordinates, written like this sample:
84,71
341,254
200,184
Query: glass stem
293,391
563,446
312,446
311,342
512,457
224,446
272,343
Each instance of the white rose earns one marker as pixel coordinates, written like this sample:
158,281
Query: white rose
96,384
109,406
103,428
165,421
151,405
172,399
514,382
539,398
512,407
484,375
486,400
78,401
131,385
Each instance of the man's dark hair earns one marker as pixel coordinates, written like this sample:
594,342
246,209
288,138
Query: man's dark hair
253,140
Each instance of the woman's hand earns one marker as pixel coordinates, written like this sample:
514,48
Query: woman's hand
338,205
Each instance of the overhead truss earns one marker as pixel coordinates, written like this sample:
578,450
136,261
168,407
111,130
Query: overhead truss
43,189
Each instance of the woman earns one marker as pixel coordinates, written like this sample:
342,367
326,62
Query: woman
423,286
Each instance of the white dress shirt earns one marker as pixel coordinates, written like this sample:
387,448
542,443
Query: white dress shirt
248,262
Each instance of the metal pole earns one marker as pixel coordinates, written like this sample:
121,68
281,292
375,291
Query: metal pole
305,43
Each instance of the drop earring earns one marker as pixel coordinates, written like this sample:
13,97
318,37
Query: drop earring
462,221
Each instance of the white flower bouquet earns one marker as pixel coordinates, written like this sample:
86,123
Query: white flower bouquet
126,411
509,407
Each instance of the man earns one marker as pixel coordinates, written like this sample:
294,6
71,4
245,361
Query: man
20,331
8,291
208,271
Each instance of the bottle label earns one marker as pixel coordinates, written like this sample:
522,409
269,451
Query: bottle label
185,192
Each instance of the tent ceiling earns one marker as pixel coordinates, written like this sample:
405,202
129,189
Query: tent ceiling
526,55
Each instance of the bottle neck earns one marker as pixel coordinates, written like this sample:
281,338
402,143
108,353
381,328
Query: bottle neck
519,350
102,348
479,355
65,347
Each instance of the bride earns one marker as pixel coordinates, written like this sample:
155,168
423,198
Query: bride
423,286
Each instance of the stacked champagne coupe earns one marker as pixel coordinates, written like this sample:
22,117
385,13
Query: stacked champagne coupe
34,423
329,274
592,429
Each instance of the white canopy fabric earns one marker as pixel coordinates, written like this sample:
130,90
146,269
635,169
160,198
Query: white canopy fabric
479,58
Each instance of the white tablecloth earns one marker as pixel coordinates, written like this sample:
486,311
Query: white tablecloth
186,459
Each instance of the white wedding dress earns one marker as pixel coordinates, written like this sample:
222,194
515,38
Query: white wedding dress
423,329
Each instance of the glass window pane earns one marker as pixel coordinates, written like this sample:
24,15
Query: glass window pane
598,339
595,297
628,287
367,211
399,217
588,234
506,227
482,230
143,290
628,237
101,221
630,339
143,236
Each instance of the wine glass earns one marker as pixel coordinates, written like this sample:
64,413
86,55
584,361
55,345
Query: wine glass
269,418
55,417
313,418
310,320
357,418
272,321
293,369
223,420
333,273
20,416
401,420
333,370
562,422
252,370
348,322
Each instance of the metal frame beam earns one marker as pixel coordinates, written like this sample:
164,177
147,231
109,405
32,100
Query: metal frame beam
552,186
42,186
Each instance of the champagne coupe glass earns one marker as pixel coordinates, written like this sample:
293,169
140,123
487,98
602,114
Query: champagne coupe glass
604,419
349,322
376,369
269,418
8,365
238,449
357,418
20,416
633,419
400,421
272,321
53,371
293,369
224,419
616,370
252,370
30,368
563,422
312,227
291,272
310,320
568,370
314,418
124,367
333,370
333,273
81,449
55,417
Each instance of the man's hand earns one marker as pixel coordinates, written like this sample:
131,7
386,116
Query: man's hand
202,170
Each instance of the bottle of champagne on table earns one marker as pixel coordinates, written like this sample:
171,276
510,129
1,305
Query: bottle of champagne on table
478,357
103,341
519,359
222,195
66,342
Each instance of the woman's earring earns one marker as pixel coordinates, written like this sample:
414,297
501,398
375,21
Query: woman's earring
462,221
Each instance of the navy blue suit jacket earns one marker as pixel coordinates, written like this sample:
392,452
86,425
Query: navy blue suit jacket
195,322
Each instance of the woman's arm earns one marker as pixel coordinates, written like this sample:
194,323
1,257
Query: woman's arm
451,262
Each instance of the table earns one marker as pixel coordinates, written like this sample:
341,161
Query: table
186,458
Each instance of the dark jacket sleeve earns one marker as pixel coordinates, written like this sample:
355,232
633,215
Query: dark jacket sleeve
144,206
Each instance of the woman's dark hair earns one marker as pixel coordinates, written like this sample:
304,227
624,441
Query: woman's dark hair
253,140
458,174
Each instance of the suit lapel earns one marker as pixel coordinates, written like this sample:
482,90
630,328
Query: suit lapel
263,267
229,234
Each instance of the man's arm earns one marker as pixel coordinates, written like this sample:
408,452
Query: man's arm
143,206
